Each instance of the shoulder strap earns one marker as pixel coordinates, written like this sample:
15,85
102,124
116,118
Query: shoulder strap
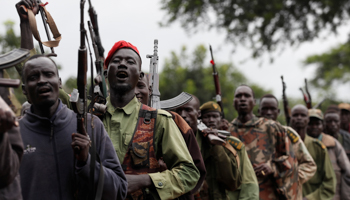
292,135
235,142
234,152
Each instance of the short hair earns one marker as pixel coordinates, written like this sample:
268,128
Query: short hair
39,56
248,87
332,109
269,96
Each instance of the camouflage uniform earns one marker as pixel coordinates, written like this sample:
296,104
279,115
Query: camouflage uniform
306,164
266,142
322,184
219,175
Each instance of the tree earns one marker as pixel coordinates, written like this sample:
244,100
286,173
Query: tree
182,72
332,67
263,25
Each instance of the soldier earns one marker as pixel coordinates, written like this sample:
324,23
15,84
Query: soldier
142,91
267,146
142,135
322,184
48,131
336,152
224,180
306,166
332,127
11,152
344,116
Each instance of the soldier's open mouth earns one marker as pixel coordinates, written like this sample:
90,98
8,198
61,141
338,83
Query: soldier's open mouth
122,74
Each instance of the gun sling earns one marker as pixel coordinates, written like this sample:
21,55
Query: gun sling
52,25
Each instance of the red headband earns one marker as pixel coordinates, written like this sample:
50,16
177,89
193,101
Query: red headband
119,45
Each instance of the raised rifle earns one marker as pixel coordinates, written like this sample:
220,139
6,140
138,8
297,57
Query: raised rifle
47,21
307,96
216,83
285,102
99,90
309,102
218,139
153,76
154,100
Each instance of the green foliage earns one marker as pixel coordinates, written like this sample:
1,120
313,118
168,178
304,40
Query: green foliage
260,24
185,73
333,67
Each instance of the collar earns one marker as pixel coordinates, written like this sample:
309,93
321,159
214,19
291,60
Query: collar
128,109
251,123
320,137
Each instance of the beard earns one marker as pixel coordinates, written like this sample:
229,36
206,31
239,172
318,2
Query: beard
122,89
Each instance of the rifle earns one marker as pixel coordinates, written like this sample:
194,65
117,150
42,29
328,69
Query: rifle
309,102
319,103
285,102
100,90
307,96
154,100
217,83
47,20
218,139
93,19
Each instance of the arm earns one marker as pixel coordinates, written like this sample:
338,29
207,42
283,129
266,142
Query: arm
182,175
115,184
344,164
11,151
249,190
226,167
328,183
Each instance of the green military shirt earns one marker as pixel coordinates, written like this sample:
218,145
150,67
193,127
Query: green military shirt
221,167
182,175
322,184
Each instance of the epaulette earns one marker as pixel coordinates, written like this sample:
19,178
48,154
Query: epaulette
165,113
319,143
292,135
235,142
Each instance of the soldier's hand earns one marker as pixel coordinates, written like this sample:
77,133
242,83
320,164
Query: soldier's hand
262,170
7,121
162,164
23,6
81,143
136,182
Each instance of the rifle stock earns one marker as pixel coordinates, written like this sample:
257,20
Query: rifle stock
285,102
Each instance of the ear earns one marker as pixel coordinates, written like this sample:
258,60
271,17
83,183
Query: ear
60,86
24,90
259,111
199,114
142,74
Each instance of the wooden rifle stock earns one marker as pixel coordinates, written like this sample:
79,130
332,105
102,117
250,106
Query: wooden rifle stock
216,83
285,103
4,82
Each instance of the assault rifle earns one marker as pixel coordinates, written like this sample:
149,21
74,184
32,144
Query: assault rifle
154,100
285,102
47,20
216,83
218,139
99,91
307,96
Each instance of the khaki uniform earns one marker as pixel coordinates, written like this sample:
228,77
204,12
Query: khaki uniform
341,167
182,175
322,184
222,171
306,164
266,142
